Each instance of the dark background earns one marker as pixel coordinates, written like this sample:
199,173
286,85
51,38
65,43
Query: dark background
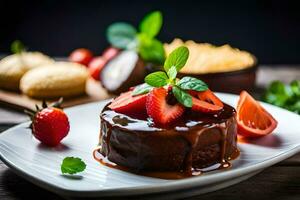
269,29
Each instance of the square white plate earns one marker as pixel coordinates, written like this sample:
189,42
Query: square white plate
41,165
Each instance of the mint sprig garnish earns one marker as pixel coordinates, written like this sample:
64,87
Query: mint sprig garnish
284,95
173,63
151,24
177,58
72,165
151,50
157,79
17,47
125,36
121,35
172,73
183,97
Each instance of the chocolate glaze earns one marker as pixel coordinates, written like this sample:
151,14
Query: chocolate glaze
193,144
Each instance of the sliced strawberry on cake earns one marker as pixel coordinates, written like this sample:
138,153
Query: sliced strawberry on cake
158,108
206,102
129,104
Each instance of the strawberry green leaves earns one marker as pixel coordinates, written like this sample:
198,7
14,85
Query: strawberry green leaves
174,62
125,36
72,165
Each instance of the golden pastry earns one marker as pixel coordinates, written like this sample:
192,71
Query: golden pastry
60,79
13,67
207,58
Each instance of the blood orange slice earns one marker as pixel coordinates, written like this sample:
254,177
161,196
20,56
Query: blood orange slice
253,120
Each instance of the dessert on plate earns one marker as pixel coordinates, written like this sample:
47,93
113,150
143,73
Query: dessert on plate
195,142
168,127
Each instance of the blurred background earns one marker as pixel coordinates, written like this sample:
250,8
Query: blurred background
268,29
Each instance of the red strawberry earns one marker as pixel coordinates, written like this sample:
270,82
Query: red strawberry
158,108
82,56
128,104
206,102
49,125
110,53
95,67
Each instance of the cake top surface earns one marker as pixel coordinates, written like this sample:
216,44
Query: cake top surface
186,122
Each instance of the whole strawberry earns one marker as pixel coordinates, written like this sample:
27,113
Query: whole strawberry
49,124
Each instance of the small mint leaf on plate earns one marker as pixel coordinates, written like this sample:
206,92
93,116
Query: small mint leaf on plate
157,79
183,97
172,73
177,58
142,89
190,83
72,165
121,35
151,24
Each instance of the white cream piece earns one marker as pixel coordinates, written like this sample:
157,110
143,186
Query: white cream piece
115,72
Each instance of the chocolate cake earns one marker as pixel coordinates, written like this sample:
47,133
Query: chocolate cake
194,143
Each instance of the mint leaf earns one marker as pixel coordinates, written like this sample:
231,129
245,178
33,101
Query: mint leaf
177,58
151,24
72,165
172,73
295,87
277,93
121,35
17,47
190,83
294,107
151,49
142,89
157,79
183,97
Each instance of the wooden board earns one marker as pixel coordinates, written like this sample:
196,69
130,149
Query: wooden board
94,92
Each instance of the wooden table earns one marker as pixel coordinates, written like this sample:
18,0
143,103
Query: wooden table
281,181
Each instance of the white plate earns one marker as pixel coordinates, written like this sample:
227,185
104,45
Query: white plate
41,165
